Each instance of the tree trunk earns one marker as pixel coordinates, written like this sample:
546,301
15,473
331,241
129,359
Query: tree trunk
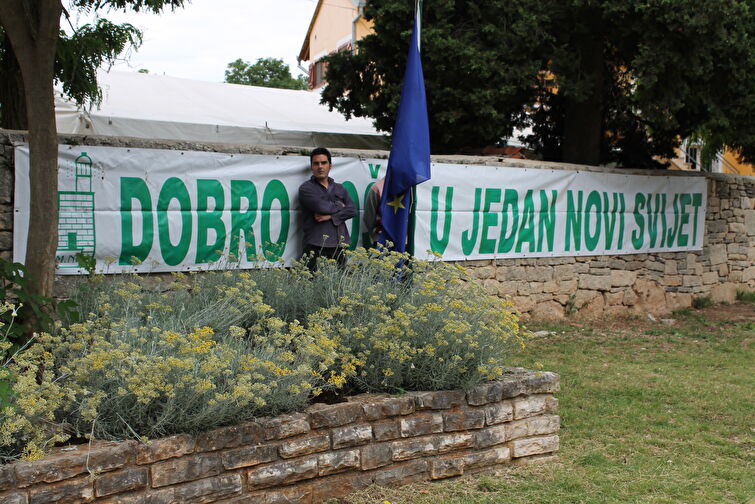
12,99
583,121
32,28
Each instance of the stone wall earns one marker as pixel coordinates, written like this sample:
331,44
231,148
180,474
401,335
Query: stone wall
655,283
327,451
547,287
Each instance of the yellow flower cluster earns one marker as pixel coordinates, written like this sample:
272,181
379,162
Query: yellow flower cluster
135,367
37,395
418,325
211,349
5,345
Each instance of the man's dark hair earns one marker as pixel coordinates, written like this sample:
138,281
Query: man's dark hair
317,152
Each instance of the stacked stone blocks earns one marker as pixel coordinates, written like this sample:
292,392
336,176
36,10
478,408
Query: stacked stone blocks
655,283
326,451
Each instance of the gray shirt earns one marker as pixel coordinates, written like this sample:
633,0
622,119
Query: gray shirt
333,201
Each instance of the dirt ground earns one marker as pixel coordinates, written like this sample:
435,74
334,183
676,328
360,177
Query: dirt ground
737,312
733,313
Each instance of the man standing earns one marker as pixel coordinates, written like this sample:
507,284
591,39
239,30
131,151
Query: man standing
372,221
326,206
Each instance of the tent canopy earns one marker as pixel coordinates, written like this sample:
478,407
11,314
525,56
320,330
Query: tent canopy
157,106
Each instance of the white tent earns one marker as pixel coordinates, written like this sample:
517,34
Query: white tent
160,107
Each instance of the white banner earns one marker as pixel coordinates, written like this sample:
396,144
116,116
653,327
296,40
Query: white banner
486,212
152,210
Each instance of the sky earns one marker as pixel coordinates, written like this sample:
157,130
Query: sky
198,41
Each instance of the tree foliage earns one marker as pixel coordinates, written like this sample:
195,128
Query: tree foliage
31,42
78,56
598,82
87,49
266,72
80,53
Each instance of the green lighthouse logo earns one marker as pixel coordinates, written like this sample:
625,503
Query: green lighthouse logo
76,217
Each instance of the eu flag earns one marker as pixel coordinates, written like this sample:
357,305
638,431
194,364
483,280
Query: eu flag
409,162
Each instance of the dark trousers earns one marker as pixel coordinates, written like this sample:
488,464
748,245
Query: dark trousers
312,252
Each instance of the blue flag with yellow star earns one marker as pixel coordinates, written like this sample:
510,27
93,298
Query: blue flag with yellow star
409,162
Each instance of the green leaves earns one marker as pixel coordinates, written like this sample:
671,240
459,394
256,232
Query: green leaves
88,48
156,6
656,71
79,54
266,72
14,289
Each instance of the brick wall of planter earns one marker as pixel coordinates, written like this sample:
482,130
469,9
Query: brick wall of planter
546,287
324,452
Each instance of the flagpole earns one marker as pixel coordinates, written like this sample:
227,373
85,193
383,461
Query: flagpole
409,161
413,199
412,220
418,17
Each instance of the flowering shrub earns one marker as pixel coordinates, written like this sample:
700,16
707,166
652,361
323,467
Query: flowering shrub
29,410
29,395
118,374
436,329
152,358
28,310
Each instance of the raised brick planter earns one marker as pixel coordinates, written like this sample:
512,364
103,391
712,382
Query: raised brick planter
327,451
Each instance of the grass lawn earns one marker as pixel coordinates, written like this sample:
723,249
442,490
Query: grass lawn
651,412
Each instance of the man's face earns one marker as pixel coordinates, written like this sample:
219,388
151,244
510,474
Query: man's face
320,167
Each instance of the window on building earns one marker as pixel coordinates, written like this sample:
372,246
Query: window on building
317,74
692,157
318,69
